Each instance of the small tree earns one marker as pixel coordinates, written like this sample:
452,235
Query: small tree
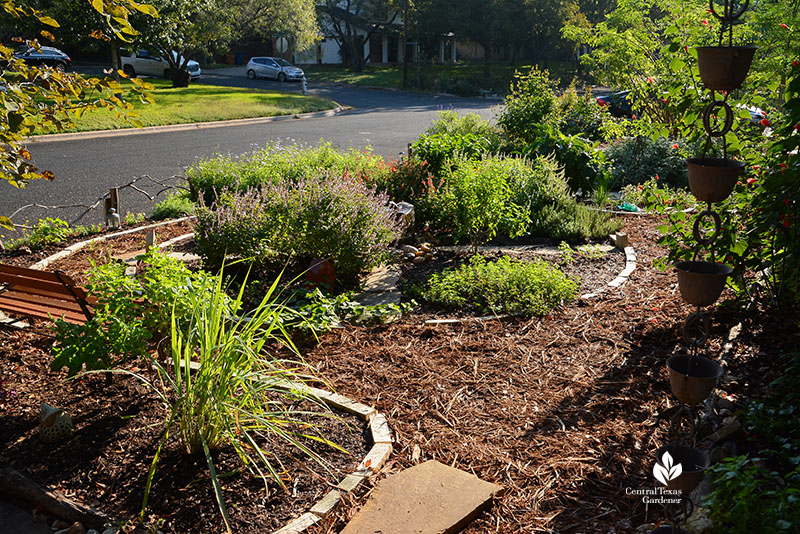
42,98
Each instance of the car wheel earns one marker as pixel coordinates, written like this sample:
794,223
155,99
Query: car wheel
128,70
167,74
60,65
251,74
281,77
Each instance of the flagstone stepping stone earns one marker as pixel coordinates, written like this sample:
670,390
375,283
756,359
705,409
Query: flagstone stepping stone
430,498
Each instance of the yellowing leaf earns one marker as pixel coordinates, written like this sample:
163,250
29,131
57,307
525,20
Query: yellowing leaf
98,6
50,21
47,35
146,9
6,223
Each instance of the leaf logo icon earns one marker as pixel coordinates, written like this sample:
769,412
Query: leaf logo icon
667,470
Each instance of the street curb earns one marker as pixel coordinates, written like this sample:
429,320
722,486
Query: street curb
98,134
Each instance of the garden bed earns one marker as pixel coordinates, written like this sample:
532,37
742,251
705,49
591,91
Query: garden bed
564,411
105,463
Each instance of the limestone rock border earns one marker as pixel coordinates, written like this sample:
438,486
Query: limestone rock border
371,463
75,247
622,277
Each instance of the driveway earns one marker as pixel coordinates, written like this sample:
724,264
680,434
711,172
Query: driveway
85,168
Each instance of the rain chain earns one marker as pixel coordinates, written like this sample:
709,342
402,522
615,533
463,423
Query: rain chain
711,180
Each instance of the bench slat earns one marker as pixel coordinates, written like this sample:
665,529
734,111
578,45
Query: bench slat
55,303
33,292
42,294
34,273
42,285
33,310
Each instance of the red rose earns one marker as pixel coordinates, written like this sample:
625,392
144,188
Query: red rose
765,122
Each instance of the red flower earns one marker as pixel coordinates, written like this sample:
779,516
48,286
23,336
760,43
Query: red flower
739,183
633,116
783,167
786,223
664,100
797,126
640,188
784,26
705,22
675,146
765,122
751,181
795,63
649,80
657,178
755,167
786,202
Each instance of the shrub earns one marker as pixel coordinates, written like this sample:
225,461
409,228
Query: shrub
584,166
173,206
459,86
131,311
540,188
272,165
503,286
759,494
133,218
531,102
637,159
406,180
580,115
453,135
332,217
652,194
51,231
477,199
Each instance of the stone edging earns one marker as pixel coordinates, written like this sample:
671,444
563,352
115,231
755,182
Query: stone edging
75,247
371,463
622,277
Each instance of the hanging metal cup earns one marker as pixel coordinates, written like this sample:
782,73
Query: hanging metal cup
724,68
701,282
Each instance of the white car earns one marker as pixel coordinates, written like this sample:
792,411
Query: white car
273,67
146,63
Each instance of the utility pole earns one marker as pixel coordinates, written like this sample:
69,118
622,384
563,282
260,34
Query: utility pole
405,44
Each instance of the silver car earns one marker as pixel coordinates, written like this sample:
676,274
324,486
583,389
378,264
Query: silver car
146,63
275,68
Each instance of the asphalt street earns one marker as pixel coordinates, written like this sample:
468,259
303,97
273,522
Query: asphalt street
86,168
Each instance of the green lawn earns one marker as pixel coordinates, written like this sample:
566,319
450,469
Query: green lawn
202,103
432,77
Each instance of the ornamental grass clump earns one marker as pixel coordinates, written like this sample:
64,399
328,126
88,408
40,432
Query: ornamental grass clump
335,216
502,286
223,389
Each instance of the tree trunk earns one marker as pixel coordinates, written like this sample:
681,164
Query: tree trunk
180,78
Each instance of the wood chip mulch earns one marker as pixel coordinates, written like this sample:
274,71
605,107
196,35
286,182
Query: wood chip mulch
562,411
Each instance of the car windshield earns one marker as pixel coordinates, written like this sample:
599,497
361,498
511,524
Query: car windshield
283,63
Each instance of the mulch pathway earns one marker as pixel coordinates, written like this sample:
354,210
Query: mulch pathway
563,411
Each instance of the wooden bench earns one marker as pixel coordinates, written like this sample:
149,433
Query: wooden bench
43,295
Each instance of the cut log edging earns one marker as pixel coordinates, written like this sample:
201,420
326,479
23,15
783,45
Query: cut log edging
75,247
376,457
